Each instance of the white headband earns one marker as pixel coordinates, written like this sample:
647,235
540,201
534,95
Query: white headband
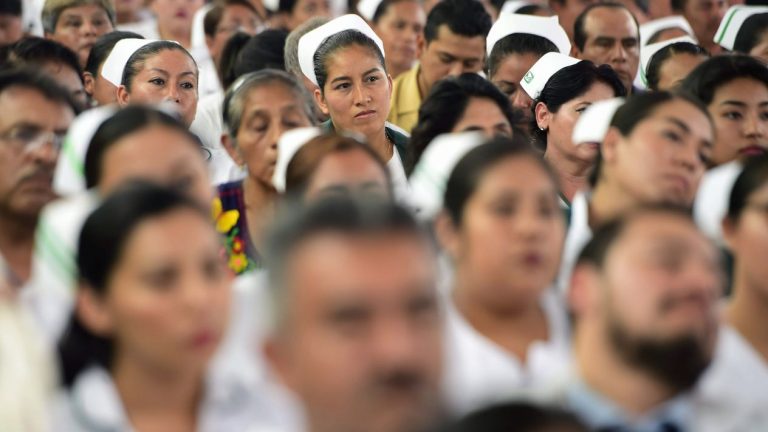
289,143
367,8
310,42
594,123
647,52
114,65
547,27
650,28
731,24
549,64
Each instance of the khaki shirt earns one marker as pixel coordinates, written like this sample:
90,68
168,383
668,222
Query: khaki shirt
406,99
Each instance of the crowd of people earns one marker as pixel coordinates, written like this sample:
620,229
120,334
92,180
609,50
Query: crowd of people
383,215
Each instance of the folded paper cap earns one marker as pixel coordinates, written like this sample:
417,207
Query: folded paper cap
289,143
430,176
647,52
114,65
547,27
649,29
594,123
367,8
537,77
731,24
310,42
512,6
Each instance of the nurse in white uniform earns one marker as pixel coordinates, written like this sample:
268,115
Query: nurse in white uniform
501,224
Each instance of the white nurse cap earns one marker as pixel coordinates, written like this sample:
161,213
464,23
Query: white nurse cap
731,24
647,52
289,143
310,42
650,28
594,123
430,176
113,67
367,8
537,77
547,27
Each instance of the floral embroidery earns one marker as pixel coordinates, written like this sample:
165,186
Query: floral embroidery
226,223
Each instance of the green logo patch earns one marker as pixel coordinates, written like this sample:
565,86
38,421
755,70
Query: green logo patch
528,77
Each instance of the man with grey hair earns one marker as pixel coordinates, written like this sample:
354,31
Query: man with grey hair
77,24
357,329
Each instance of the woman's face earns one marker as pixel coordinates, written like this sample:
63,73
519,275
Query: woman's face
175,16
748,240
760,50
400,29
168,76
508,244
78,28
559,125
268,111
167,301
348,173
674,70
507,78
663,159
357,91
740,111
303,10
175,162
485,116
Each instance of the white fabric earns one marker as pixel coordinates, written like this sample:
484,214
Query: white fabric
311,41
579,234
197,38
367,8
209,126
287,145
537,77
594,123
647,52
208,79
400,187
114,64
733,394
711,204
478,372
731,24
546,27
31,22
147,28
650,28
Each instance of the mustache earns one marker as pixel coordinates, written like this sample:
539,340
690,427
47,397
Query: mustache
402,380
673,301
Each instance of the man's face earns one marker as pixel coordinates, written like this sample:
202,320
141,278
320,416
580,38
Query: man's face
660,285
360,342
567,11
27,156
11,29
705,17
612,39
450,54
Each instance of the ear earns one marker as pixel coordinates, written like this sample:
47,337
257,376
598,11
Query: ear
542,115
584,290
608,149
421,46
391,86
232,150
447,234
122,96
320,101
93,312
89,83
729,227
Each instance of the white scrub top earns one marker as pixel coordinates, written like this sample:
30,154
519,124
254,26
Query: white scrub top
579,234
711,204
209,126
400,185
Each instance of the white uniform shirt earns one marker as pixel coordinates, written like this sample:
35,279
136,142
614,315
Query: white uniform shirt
733,393
209,126
579,234
478,372
400,185
711,204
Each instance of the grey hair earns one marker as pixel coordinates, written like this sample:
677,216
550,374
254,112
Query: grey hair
234,101
291,50
52,10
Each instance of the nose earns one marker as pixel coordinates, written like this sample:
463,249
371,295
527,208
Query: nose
46,150
395,342
457,68
755,127
362,97
529,225
87,29
521,100
173,94
619,53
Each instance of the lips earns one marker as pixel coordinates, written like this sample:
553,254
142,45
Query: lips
752,150
680,183
203,339
365,114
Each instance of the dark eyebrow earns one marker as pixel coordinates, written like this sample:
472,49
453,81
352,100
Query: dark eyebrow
605,39
162,71
733,102
371,71
341,78
630,39
678,123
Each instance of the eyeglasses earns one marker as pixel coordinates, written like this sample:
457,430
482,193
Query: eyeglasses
31,139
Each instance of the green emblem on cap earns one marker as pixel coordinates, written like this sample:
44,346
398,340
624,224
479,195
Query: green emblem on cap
528,77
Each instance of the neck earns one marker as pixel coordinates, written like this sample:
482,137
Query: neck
379,142
259,206
573,173
17,241
607,203
747,312
602,370
182,37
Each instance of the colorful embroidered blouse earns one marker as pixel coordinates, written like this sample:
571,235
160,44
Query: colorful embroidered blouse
229,216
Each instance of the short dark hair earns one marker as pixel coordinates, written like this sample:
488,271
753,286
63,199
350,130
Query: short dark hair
525,417
11,7
678,5
465,18
266,50
517,43
753,177
103,47
136,61
580,34
230,56
751,33
338,41
653,70
383,6
704,81
445,105
32,79
35,51
216,13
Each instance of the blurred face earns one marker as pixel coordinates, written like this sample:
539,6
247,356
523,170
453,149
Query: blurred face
507,249
168,76
128,7
670,33
559,125
740,112
174,17
674,70
450,54
68,78
373,329
352,172
303,10
508,76
236,18
612,39
760,50
664,157
704,17
11,29
401,28
31,131
167,303
175,163
268,111
78,28
485,116
567,11
357,92
747,238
